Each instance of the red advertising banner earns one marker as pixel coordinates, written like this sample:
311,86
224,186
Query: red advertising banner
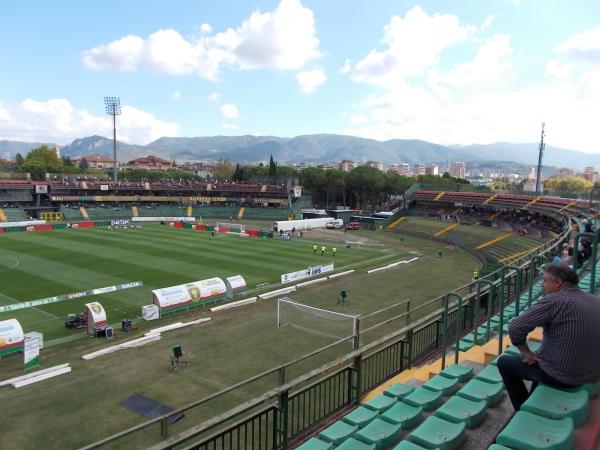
44,228
87,224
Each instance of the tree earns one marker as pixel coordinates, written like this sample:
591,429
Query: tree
223,170
84,164
569,185
336,185
272,170
19,159
67,161
37,169
367,183
238,175
45,155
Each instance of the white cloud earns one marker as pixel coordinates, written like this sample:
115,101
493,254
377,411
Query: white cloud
229,126
283,39
583,47
358,118
346,67
215,97
309,80
516,2
176,94
229,111
487,22
488,66
410,46
476,101
205,28
57,121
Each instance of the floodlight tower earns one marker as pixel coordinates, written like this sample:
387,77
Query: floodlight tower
538,179
113,108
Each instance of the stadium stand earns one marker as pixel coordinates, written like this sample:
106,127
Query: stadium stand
14,214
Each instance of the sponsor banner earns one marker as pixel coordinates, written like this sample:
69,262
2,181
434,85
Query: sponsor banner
24,223
316,270
104,187
72,296
119,223
295,276
163,219
306,273
41,188
193,292
297,191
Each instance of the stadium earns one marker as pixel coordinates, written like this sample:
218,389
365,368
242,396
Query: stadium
216,332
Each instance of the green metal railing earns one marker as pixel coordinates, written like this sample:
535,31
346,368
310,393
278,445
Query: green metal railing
271,420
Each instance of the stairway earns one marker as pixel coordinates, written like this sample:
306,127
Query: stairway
84,212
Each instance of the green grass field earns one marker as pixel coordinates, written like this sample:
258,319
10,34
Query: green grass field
38,265
233,346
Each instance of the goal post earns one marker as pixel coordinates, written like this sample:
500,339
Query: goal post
232,227
315,320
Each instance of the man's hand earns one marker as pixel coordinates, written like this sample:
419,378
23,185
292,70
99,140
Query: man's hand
528,356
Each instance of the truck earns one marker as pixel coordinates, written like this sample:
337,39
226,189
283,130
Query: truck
303,224
335,224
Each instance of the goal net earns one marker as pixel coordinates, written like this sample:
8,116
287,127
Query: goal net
232,227
315,320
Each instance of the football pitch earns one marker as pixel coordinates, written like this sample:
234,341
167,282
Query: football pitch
40,265
85,405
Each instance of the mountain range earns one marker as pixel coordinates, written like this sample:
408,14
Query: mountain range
315,148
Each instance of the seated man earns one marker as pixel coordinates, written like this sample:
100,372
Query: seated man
571,322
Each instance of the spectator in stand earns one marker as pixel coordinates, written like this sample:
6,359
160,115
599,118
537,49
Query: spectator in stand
570,319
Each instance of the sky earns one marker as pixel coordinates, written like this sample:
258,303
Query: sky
457,72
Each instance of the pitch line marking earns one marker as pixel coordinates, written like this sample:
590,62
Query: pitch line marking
16,263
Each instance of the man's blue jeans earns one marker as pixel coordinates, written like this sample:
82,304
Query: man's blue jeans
513,371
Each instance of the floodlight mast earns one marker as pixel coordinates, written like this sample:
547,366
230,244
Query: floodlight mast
113,108
538,179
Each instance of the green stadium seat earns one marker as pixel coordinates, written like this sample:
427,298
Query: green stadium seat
462,372
402,413
498,447
337,432
407,445
458,409
438,433
426,398
528,431
489,374
381,433
513,350
360,417
480,390
399,390
591,389
557,404
380,403
447,386
354,444
481,338
315,444
464,346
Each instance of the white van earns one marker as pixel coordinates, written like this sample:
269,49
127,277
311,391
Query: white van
335,224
